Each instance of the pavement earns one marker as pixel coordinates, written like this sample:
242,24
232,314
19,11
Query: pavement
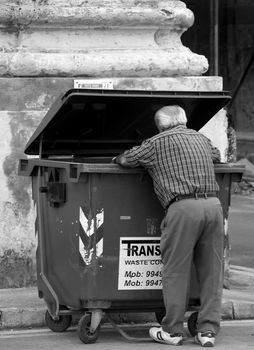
234,335
22,308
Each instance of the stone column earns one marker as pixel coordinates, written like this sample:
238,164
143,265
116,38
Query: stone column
97,38
45,44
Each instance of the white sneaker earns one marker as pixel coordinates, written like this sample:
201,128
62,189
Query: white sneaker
161,336
205,339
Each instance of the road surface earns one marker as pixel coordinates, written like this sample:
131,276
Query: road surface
241,230
234,335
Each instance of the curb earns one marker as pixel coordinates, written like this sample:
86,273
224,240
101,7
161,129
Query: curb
22,318
235,310
35,317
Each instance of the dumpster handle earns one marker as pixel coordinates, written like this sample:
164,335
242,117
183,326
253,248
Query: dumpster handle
40,229
124,334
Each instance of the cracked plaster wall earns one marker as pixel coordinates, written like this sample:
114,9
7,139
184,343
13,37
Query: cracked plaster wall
17,213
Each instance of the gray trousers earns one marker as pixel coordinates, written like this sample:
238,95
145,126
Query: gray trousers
192,230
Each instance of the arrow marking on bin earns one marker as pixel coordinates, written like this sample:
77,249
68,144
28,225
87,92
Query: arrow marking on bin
90,237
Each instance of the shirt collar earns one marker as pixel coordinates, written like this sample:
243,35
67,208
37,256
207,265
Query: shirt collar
178,127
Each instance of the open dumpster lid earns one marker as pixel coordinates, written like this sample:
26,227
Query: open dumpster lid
106,122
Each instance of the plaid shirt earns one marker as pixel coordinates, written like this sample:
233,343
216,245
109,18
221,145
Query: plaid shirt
179,160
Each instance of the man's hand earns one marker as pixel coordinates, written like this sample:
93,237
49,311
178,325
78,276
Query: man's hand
121,160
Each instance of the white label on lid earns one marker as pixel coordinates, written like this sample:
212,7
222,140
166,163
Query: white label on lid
105,84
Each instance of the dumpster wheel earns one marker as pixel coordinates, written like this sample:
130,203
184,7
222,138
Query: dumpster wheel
192,323
85,335
59,325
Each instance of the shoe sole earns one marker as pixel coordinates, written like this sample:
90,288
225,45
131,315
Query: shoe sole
208,344
165,342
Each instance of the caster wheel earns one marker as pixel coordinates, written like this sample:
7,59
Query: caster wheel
85,335
159,316
59,325
192,323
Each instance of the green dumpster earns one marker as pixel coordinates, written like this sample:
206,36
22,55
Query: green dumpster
97,223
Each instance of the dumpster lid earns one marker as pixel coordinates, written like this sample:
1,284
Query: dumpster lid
106,122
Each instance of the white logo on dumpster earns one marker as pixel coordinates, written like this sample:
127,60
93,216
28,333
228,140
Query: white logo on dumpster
139,263
86,239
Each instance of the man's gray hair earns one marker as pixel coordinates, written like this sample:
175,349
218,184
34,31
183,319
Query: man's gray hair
169,116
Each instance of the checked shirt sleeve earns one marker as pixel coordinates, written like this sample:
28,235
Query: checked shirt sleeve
143,155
